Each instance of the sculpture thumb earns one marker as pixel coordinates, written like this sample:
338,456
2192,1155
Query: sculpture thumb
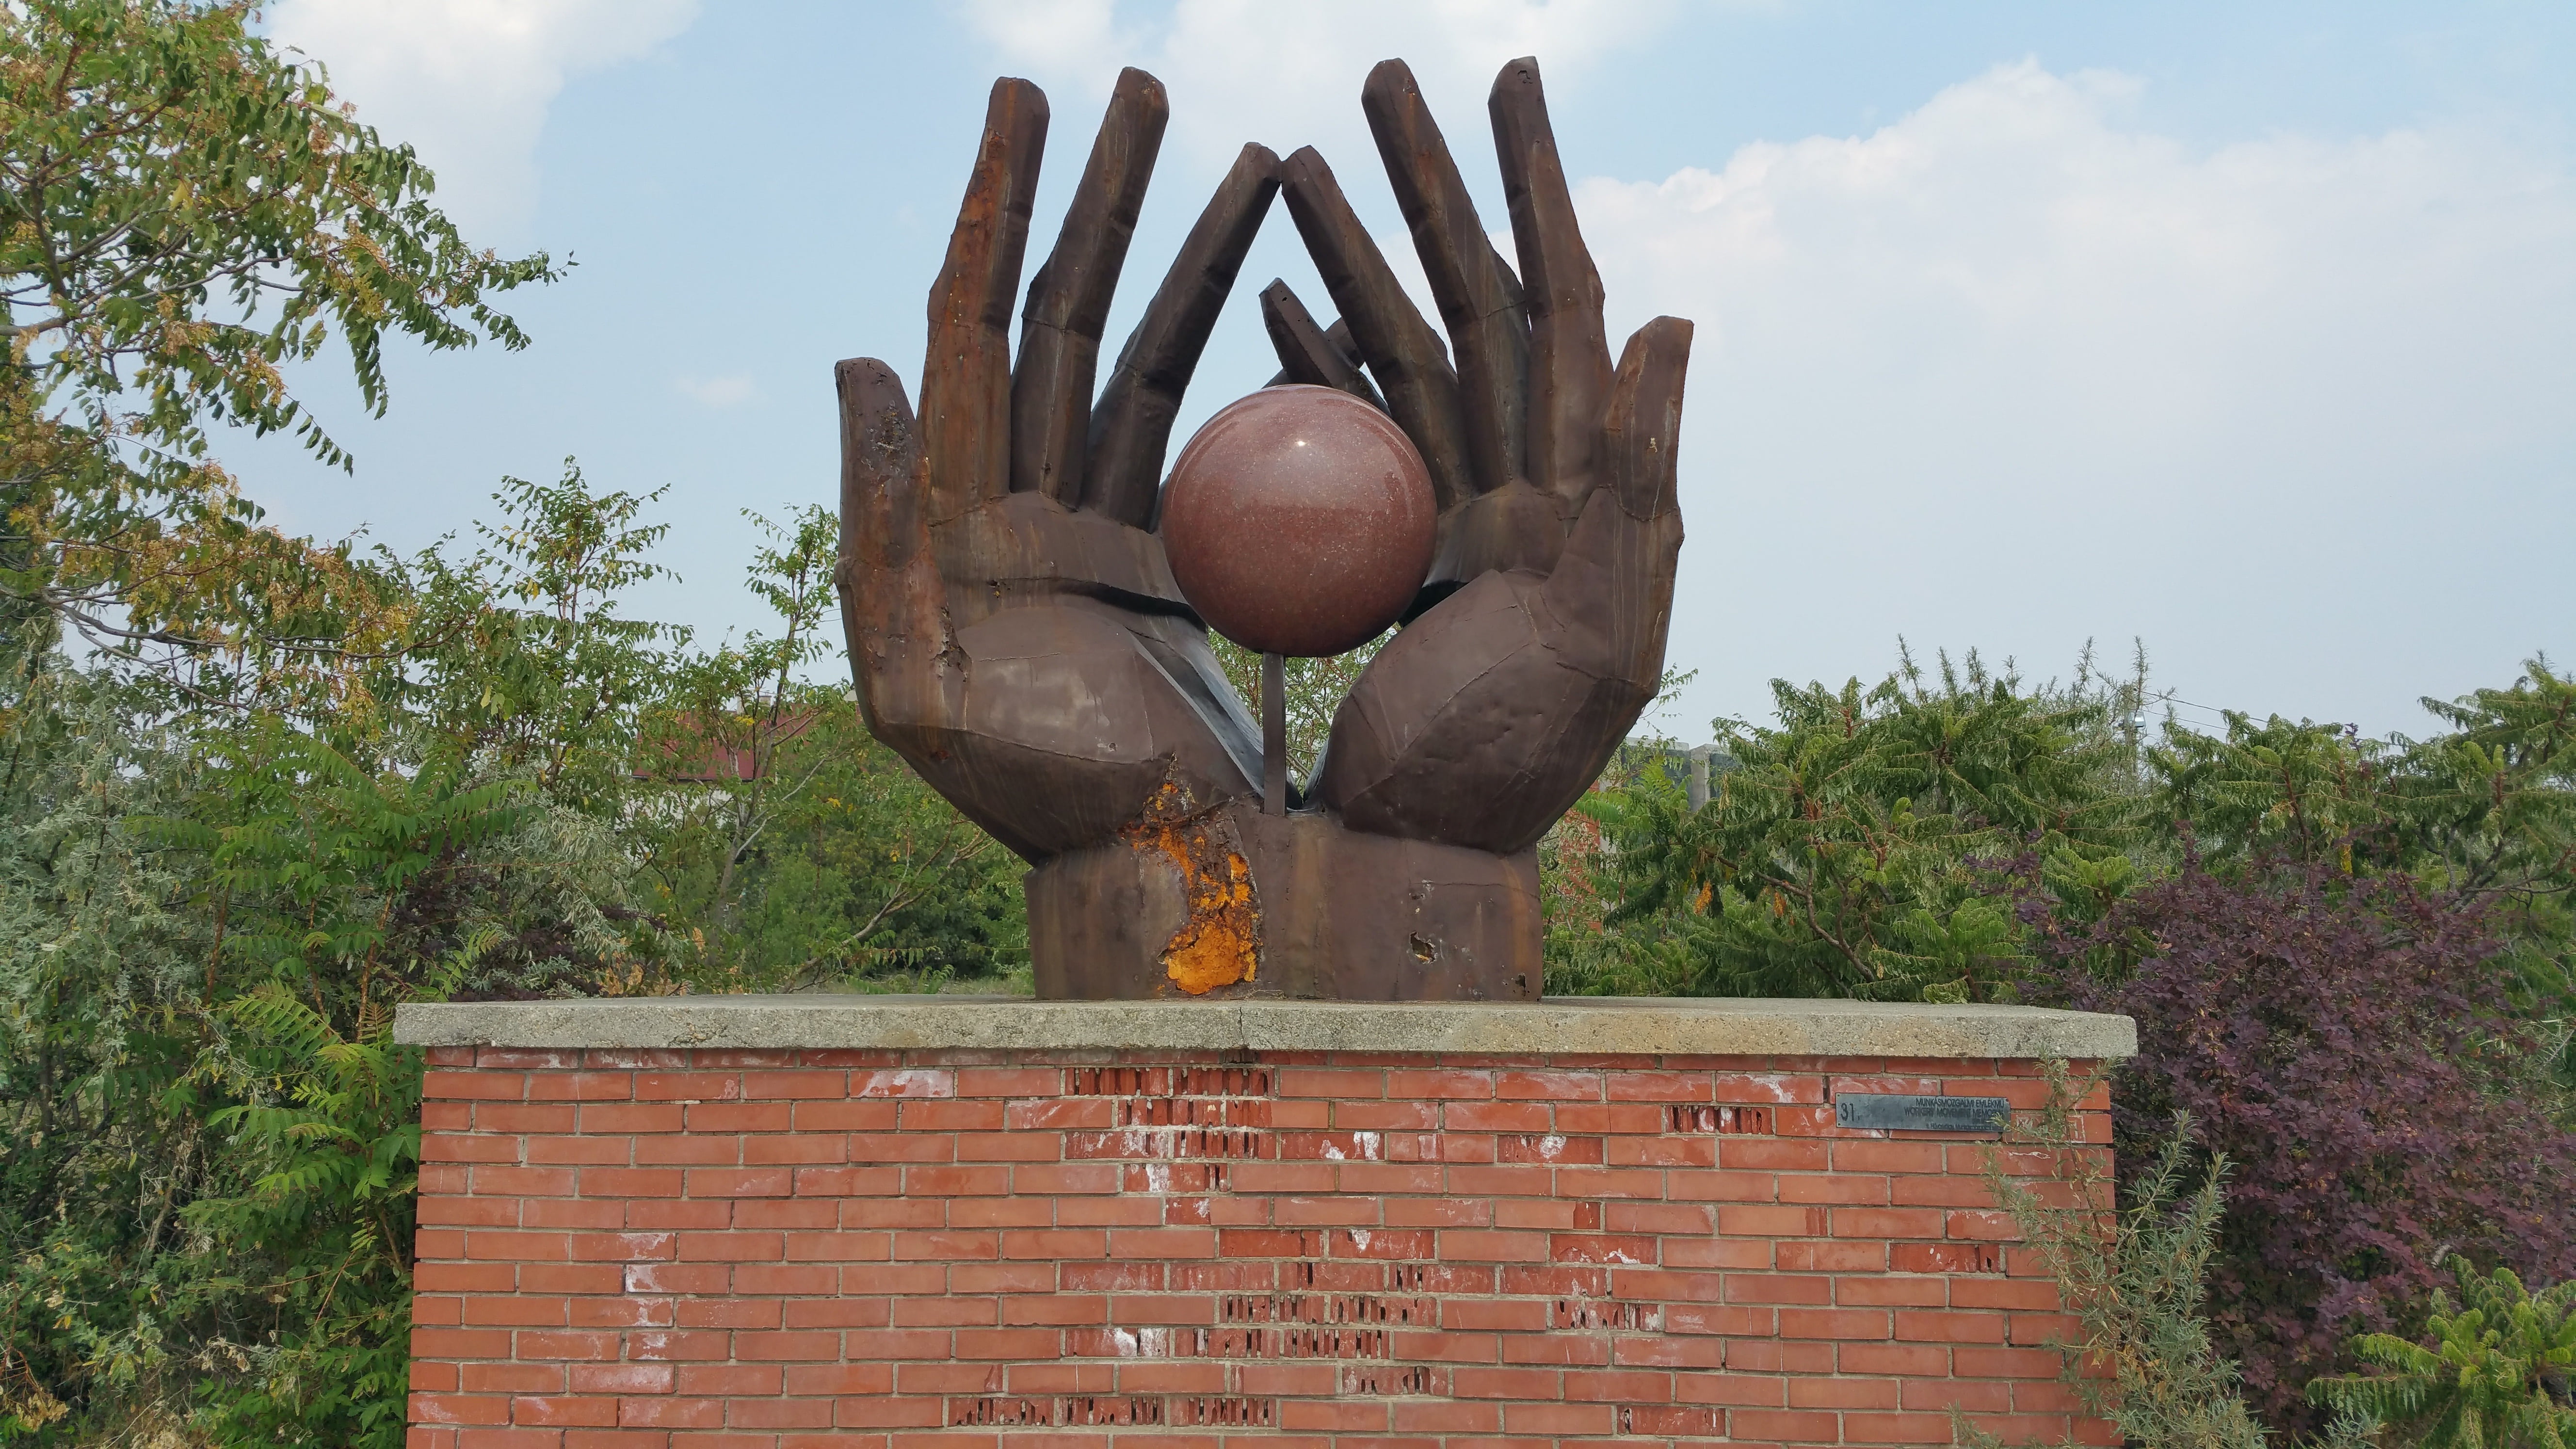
1641,434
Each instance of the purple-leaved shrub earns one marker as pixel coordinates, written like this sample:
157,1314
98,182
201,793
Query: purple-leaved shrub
2348,1046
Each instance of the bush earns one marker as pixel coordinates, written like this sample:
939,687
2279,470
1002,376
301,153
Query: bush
1838,852
2133,1280
2350,1047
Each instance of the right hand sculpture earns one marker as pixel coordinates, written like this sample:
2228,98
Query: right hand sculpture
1540,634
1016,635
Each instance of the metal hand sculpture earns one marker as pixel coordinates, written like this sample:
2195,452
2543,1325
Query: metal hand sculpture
1016,634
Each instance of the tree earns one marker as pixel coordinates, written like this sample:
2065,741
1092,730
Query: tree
2351,1047
182,211
520,656
1842,853
324,1126
863,875
729,713
2347,958
791,846
277,786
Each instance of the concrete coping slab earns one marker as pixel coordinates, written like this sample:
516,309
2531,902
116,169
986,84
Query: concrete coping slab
1559,1026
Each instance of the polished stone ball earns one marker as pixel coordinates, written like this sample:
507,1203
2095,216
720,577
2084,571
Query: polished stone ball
1299,521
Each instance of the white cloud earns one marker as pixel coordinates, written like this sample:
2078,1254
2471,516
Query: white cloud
2014,371
1289,75
468,82
716,392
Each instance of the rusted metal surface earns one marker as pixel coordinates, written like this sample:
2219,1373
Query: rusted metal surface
1479,299
1030,653
1341,915
1402,351
1069,298
1569,354
1131,426
966,383
1311,355
1034,665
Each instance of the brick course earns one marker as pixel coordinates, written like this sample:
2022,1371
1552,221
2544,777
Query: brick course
730,1249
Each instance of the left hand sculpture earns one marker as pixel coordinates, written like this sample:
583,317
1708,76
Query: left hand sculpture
1016,634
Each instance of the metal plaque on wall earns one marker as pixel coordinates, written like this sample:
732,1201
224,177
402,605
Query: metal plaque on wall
1904,1112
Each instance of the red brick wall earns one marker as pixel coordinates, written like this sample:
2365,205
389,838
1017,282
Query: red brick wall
774,1249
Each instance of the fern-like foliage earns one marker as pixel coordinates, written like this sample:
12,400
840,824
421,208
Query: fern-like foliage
336,1136
332,841
2496,1374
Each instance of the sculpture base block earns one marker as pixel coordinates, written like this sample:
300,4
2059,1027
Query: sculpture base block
1234,903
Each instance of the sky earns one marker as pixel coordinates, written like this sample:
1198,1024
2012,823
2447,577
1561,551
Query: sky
2248,332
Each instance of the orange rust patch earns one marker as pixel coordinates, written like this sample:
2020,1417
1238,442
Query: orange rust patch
1216,946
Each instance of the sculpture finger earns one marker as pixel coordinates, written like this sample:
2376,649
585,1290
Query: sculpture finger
1477,295
1613,584
1641,432
1132,424
1069,297
890,597
882,521
1569,350
1398,346
966,383
1309,354
1339,334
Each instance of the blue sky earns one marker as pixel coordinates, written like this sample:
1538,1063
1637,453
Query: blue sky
2247,330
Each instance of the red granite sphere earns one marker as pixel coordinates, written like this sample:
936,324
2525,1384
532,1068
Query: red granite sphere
1299,521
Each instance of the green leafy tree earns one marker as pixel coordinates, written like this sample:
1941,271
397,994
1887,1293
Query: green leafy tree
313,879
792,847
520,657
1842,852
863,879
338,1137
2487,811
321,858
101,963
183,212
730,713
2497,1373
197,1225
